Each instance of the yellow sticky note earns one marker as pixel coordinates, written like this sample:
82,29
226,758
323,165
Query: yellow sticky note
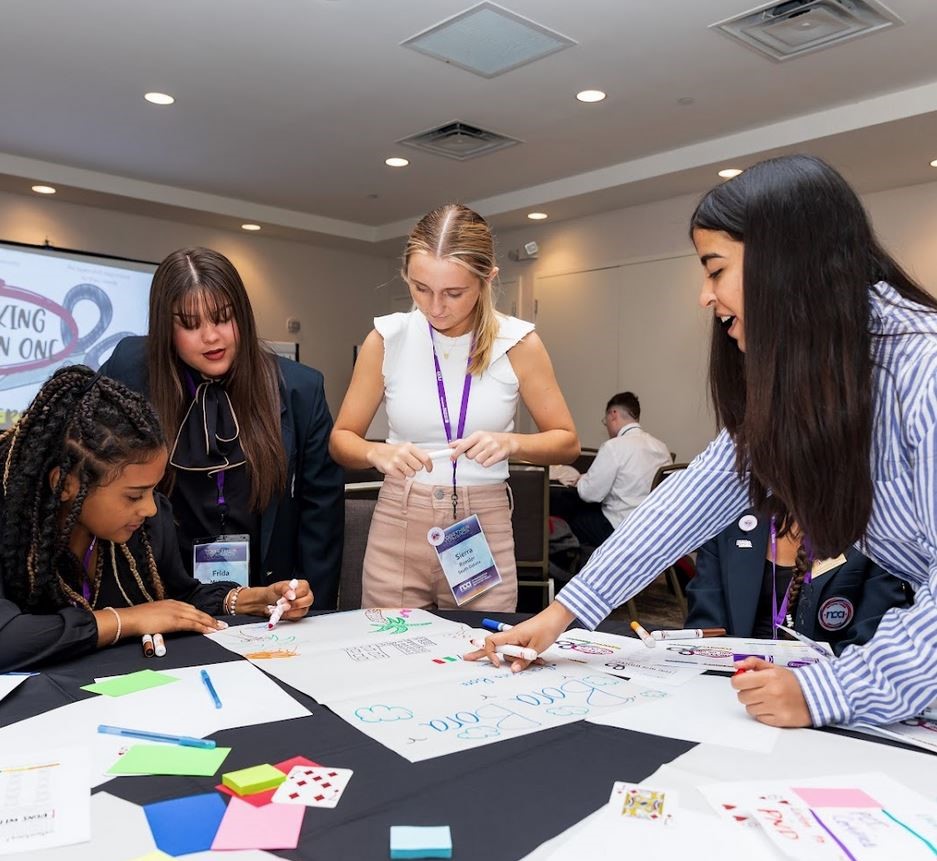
255,779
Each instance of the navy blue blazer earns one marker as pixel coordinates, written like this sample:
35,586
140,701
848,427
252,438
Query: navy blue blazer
843,606
301,531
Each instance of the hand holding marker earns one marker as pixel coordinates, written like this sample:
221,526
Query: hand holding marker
281,606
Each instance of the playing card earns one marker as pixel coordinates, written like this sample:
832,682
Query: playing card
317,786
638,802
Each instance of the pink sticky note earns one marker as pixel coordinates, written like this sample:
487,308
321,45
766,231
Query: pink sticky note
275,826
259,799
820,797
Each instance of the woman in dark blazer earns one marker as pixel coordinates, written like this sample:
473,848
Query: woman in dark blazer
230,408
841,602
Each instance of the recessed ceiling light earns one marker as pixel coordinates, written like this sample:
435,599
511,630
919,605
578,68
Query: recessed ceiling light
250,227
396,161
43,189
590,96
729,172
934,163
536,216
159,98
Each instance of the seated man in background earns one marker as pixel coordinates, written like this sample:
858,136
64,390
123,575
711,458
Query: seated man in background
618,480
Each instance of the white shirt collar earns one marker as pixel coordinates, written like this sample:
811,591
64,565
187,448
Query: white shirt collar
627,428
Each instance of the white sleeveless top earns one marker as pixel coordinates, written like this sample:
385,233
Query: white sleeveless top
411,396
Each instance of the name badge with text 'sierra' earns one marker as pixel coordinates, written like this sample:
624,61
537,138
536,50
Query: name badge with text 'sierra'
465,558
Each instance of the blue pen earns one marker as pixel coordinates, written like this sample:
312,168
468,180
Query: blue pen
184,740
206,680
492,625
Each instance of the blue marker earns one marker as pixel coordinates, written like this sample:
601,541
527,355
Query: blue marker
492,625
206,680
184,740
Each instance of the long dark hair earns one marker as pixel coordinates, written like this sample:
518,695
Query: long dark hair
799,402
199,277
88,427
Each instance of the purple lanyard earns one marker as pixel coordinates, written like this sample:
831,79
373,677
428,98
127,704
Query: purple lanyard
86,561
444,407
779,614
219,476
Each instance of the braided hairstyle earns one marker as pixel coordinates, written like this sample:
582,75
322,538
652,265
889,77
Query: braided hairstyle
802,564
86,426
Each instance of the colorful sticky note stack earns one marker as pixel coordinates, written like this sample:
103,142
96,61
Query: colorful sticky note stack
411,841
259,799
254,779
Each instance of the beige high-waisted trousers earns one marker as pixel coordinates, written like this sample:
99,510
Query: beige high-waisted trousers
401,568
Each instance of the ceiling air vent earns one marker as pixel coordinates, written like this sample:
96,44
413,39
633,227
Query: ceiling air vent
459,141
782,31
488,40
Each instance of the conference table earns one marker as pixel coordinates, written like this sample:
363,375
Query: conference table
501,801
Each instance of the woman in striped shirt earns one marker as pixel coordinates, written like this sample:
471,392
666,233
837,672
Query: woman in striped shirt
823,373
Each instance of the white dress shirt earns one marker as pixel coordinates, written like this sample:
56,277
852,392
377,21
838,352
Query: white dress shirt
621,474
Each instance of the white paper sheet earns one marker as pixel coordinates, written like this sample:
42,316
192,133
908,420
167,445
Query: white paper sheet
917,731
457,713
622,656
182,708
45,796
704,709
120,832
607,835
833,818
9,683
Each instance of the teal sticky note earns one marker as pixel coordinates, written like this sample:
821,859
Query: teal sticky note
414,841
130,683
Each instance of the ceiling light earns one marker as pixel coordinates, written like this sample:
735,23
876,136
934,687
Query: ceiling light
934,163
590,96
396,161
159,98
729,172
250,227
536,216
43,189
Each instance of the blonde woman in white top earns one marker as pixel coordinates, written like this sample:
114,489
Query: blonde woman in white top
453,357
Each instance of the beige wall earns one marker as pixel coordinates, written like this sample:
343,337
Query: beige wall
334,293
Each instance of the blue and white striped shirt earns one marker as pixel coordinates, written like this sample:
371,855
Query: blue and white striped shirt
894,674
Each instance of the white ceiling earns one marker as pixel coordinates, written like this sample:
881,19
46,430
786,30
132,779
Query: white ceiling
286,109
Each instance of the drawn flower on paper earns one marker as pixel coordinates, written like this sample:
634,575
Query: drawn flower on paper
383,714
568,711
475,732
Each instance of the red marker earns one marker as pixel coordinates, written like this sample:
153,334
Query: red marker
739,671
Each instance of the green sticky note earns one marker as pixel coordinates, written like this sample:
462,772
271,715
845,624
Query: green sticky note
130,683
247,781
170,759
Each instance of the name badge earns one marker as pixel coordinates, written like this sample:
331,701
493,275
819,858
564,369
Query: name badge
465,558
822,566
224,558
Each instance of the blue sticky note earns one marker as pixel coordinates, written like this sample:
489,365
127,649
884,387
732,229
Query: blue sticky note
183,825
413,841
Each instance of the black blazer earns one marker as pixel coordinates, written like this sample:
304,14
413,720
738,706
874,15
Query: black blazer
842,606
301,531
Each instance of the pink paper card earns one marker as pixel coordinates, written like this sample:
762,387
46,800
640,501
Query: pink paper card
820,797
274,826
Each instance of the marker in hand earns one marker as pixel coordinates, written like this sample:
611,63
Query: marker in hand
509,651
440,453
280,607
495,625
649,641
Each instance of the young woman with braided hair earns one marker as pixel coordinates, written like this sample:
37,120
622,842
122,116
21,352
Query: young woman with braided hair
839,600
88,551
